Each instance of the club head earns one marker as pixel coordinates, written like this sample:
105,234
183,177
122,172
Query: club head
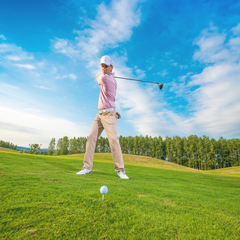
160,85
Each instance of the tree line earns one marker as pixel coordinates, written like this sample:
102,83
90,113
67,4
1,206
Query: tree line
8,145
192,151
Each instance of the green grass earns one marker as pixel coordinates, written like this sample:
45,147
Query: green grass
7,150
43,198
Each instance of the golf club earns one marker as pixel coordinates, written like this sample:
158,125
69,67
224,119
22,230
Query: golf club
160,85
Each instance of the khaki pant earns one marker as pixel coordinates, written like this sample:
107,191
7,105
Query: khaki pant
107,121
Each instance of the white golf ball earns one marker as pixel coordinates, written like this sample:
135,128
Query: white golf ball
103,190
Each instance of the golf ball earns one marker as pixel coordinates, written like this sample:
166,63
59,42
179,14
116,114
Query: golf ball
103,190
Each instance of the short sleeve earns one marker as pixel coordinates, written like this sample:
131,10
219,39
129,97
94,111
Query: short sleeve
100,79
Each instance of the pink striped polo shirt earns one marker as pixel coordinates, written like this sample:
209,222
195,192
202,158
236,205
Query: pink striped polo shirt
108,89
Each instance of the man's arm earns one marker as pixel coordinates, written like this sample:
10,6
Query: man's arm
98,76
100,79
101,82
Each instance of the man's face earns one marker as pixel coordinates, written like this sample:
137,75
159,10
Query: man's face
106,69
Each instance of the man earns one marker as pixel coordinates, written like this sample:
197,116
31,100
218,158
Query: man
106,119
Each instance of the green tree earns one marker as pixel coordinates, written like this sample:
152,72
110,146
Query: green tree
7,145
212,154
81,144
73,146
178,148
153,147
186,157
102,144
200,153
193,151
136,145
231,145
193,139
59,146
51,146
130,142
65,146
142,146
169,148
107,146
123,144
206,149
146,150
35,147
238,152
223,153
159,148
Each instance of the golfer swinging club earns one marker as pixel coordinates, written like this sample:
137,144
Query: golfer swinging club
106,119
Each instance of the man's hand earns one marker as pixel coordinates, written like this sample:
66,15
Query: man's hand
118,115
97,77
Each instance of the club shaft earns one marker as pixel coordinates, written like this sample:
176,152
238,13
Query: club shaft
136,80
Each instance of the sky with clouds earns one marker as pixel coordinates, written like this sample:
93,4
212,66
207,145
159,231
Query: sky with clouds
49,58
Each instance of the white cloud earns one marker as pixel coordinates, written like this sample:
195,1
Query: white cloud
144,108
13,58
42,87
71,75
33,128
7,86
141,108
163,73
8,90
3,75
183,66
20,57
3,47
2,37
26,66
234,45
174,63
24,119
140,73
113,24
216,101
214,105
213,47
65,47
14,53
236,30
21,122
41,64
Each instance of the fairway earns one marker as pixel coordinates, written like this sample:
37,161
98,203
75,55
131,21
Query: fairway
43,198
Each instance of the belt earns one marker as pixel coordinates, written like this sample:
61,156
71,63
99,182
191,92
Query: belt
106,110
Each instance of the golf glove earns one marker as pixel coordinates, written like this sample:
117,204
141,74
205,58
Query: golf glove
118,115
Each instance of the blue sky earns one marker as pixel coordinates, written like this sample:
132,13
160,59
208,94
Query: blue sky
49,58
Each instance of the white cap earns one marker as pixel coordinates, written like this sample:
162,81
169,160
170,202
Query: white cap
106,60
